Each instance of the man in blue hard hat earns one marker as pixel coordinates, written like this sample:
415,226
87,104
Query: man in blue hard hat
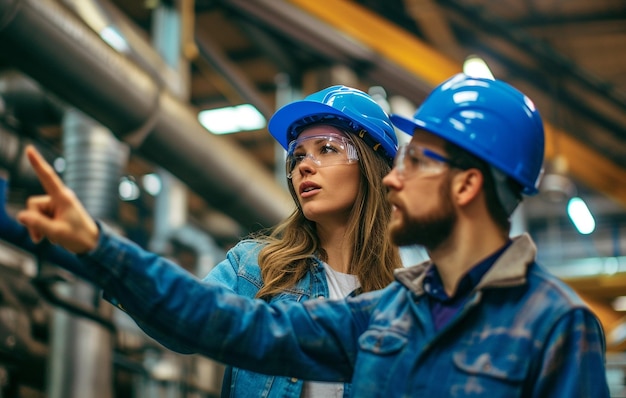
479,319
491,321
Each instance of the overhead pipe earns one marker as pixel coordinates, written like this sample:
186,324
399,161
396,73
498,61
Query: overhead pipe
13,159
236,79
50,44
22,98
25,101
312,33
139,50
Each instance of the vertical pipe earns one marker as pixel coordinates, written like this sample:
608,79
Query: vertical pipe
81,364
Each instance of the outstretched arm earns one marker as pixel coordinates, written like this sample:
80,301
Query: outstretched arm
58,215
316,340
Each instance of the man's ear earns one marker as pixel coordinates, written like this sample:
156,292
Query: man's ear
467,185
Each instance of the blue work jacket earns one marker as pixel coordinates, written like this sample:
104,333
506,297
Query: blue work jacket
522,332
241,274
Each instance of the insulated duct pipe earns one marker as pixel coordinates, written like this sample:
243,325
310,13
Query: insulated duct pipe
22,99
55,48
25,101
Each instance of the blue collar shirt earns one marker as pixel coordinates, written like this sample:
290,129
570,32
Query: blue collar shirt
444,307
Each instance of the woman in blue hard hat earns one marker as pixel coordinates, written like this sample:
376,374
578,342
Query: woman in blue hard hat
340,144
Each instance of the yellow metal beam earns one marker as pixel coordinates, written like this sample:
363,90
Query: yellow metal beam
600,286
432,67
383,37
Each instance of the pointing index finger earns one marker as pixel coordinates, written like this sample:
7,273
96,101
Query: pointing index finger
50,181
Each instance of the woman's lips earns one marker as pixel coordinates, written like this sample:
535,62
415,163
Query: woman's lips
308,188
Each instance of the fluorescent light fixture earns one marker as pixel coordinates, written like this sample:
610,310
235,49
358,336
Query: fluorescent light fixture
151,183
232,119
59,165
580,215
475,66
114,39
128,189
619,304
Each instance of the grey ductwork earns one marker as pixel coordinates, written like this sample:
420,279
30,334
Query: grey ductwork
94,164
50,44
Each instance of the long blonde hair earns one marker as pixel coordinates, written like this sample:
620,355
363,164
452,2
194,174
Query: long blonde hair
286,258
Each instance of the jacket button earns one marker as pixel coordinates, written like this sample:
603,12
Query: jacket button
293,379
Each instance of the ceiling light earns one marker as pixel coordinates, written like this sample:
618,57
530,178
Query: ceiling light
59,165
232,119
619,304
114,39
128,189
151,183
475,66
580,215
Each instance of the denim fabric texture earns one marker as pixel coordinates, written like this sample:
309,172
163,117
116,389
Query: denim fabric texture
240,273
521,333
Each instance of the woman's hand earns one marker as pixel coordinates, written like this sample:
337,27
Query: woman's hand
58,216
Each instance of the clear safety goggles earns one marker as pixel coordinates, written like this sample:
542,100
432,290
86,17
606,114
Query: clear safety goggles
412,160
321,150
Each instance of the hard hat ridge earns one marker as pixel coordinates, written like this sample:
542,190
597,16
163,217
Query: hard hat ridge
344,107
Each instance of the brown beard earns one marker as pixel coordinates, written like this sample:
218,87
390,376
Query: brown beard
430,230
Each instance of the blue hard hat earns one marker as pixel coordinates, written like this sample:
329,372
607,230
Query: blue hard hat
488,118
342,106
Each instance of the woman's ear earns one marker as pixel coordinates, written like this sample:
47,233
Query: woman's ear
467,185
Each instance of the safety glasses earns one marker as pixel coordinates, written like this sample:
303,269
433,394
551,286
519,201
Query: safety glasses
412,160
321,150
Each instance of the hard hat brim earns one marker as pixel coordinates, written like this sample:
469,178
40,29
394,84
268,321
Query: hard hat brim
405,124
280,123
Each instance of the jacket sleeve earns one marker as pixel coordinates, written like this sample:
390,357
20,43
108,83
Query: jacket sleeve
234,272
312,340
224,274
573,362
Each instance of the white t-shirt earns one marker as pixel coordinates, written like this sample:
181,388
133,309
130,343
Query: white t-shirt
339,286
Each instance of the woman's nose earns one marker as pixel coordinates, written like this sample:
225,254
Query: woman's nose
307,165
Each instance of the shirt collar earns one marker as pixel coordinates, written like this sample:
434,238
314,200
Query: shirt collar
433,285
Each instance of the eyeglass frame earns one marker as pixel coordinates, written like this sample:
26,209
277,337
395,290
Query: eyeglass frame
399,164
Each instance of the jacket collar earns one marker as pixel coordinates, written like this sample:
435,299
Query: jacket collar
508,270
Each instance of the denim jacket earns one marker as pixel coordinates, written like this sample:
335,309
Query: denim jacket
240,273
522,333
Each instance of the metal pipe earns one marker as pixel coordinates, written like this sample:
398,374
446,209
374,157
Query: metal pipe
213,55
94,163
25,101
329,43
83,70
